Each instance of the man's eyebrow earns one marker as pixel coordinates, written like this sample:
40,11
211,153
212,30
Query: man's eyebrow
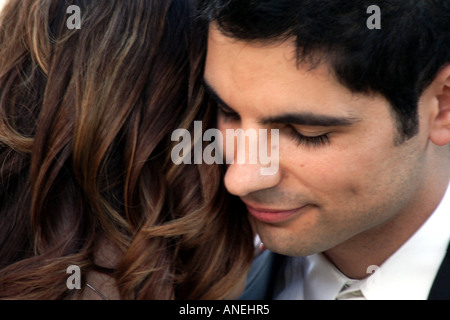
213,95
310,119
305,119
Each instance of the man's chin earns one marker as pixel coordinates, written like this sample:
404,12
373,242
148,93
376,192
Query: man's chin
284,247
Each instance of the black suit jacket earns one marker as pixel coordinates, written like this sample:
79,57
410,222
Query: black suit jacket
263,275
441,285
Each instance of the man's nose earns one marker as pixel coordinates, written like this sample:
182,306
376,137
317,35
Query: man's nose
250,169
243,179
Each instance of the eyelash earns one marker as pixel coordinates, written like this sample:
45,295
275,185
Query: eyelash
319,141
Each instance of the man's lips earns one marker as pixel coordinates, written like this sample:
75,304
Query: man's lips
272,215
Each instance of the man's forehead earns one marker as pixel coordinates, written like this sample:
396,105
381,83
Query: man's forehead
251,66
225,52
266,76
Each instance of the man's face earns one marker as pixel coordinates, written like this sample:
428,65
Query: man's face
341,175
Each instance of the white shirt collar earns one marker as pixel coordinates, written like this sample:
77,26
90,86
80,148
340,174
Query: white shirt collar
323,280
407,275
410,272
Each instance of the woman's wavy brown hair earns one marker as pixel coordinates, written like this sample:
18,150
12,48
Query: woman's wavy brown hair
86,118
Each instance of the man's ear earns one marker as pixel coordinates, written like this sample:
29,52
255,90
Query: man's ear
440,120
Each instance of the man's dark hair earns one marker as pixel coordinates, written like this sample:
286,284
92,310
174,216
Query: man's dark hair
398,61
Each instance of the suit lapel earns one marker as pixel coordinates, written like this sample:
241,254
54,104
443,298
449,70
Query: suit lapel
262,276
441,286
